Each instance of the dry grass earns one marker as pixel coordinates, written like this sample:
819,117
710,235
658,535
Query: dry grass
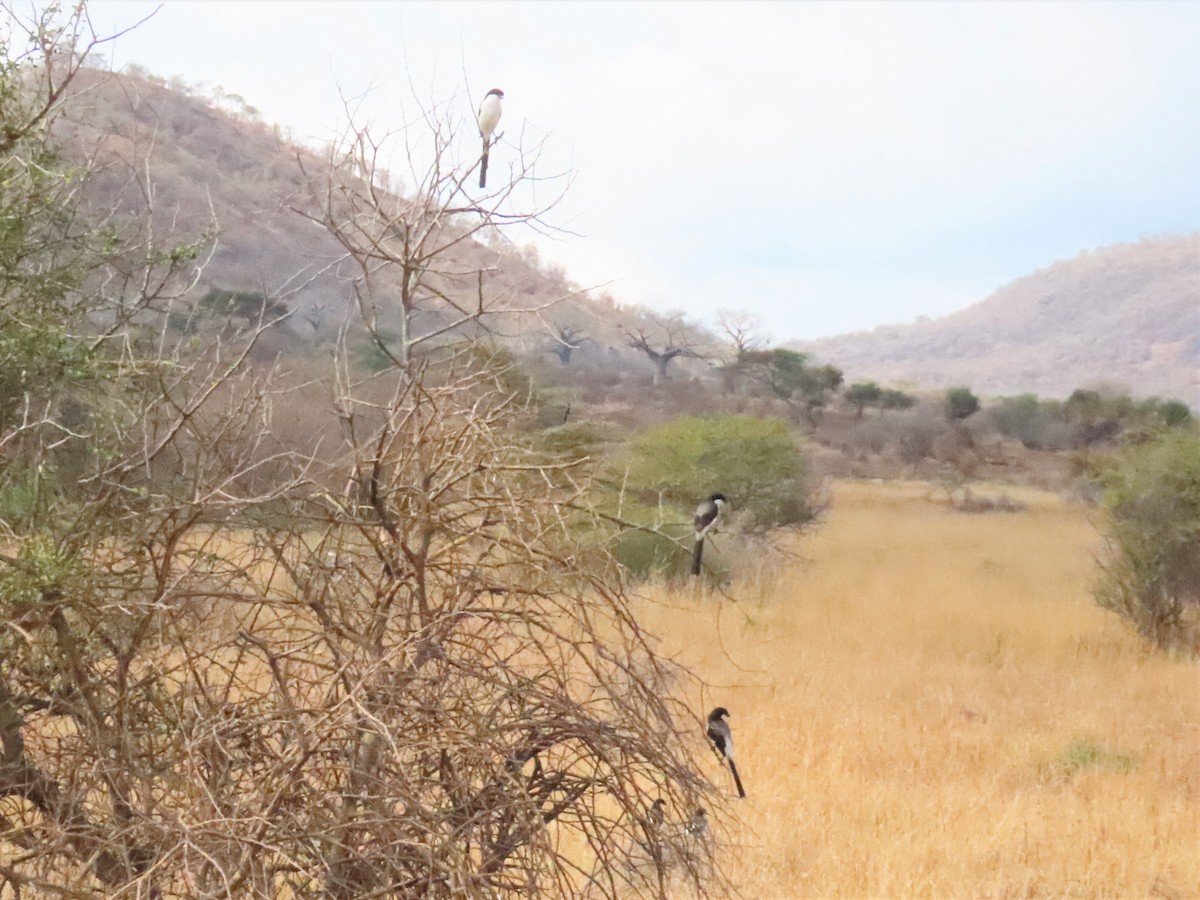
934,707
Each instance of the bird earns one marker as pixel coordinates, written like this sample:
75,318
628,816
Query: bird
697,825
722,738
652,825
655,814
707,515
489,118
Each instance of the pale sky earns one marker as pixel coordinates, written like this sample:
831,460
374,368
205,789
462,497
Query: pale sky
826,167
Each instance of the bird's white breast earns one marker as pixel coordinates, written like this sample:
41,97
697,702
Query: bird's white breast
489,115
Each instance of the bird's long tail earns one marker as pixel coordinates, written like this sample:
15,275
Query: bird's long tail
737,781
483,165
697,554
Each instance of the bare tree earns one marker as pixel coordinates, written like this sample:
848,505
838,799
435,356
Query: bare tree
405,252
742,330
673,342
228,669
502,687
566,339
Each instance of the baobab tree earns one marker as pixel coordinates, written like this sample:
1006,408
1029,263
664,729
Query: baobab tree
565,340
673,342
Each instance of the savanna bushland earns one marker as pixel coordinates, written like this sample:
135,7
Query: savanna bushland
399,610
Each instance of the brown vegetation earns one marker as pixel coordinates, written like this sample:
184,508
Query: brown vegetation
934,706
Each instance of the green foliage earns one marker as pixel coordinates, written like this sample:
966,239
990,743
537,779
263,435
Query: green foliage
755,462
40,248
862,394
1037,424
790,377
1086,405
1151,571
961,403
248,305
1087,417
1173,413
1084,754
1097,416
573,440
890,398
37,583
664,554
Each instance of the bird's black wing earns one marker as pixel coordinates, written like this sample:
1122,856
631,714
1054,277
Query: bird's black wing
717,736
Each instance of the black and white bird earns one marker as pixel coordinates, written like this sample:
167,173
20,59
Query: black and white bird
489,118
708,514
722,738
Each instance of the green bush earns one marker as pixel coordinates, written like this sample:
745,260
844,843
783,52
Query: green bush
961,404
755,462
1173,413
1152,564
1037,424
1098,417
645,554
574,440
862,394
890,398
1084,754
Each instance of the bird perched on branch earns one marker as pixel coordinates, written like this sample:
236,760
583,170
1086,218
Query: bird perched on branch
489,118
653,824
656,813
722,738
707,515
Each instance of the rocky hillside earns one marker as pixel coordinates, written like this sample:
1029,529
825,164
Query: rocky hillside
1126,315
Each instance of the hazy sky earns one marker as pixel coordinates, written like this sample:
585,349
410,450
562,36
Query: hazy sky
825,166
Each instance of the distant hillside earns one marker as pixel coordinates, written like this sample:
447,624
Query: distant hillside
1126,315
211,163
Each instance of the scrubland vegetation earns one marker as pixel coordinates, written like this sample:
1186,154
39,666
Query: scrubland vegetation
932,705
398,611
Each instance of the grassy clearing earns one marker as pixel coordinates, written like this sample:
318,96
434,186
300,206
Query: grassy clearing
934,706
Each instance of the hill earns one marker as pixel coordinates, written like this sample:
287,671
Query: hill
1126,315
210,165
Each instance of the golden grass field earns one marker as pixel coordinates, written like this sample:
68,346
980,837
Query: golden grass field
934,706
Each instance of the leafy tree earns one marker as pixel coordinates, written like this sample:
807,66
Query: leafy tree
790,377
1168,413
961,404
890,398
1098,417
669,468
755,462
862,394
1036,423
1151,569
1084,405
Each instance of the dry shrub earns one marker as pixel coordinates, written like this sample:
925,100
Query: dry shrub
233,666
935,706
